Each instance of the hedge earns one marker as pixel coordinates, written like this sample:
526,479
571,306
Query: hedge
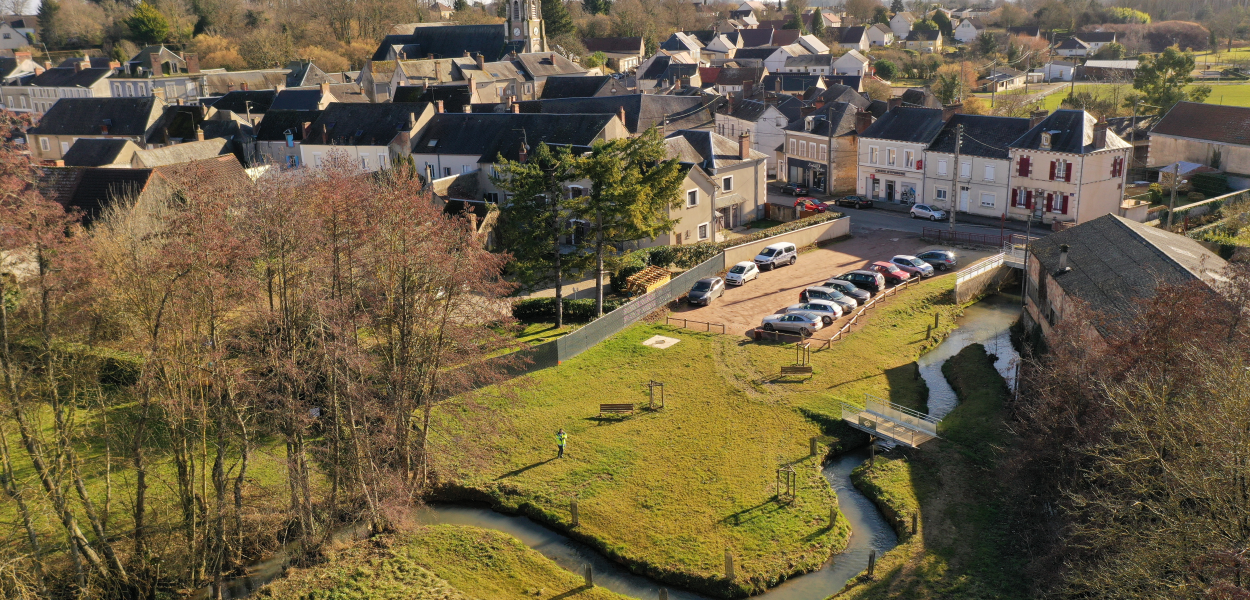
543,310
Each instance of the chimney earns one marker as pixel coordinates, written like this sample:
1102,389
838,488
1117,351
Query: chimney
193,63
804,111
516,108
104,127
685,81
1063,258
777,84
438,107
229,87
1100,134
894,102
466,54
523,154
863,119
243,86
21,56
178,101
748,87
468,107
306,130
620,113
81,64
481,62
951,110
199,134
47,64
1037,117
325,88
744,145
438,71
155,59
412,121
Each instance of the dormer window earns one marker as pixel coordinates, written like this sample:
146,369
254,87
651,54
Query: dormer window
1045,140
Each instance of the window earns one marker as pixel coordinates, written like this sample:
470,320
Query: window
909,158
987,200
703,231
803,149
874,155
130,89
692,198
316,159
891,157
727,184
191,88
43,144
292,161
446,171
941,167
8,36
965,169
793,145
383,160
824,152
364,162
64,148
989,172
941,194
464,169
492,197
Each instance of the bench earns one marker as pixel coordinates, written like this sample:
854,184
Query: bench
615,409
797,370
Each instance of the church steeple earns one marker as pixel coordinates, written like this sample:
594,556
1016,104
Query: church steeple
525,26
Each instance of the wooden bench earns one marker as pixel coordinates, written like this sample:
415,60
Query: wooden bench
615,409
797,370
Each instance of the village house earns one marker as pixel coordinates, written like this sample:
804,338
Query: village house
638,111
61,82
880,34
1002,79
1072,47
1095,40
901,24
623,53
69,119
1067,168
724,188
924,41
968,30
368,135
1058,70
822,143
851,63
891,154
815,64
765,122
855,38
280,134
1206,134
979,181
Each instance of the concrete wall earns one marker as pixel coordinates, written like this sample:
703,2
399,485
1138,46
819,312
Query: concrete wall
803,237
990,280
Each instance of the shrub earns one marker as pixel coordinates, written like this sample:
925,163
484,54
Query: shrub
1210,184
543,310
886,69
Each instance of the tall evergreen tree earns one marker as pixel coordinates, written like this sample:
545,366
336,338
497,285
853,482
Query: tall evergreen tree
1162,78
147,25
49,23
897,7
818,23
557,19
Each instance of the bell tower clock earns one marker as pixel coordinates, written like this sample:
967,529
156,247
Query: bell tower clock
525,29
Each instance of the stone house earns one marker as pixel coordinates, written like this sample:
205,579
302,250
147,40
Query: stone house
724,188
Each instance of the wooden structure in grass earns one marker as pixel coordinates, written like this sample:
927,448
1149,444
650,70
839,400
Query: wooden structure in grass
787,484
802,360
616,409
647,280
890,421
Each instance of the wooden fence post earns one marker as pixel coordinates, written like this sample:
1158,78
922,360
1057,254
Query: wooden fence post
573,511
813,446
914,523
729,565
872,562
936,317
590,576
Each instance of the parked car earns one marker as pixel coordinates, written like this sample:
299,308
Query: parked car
741,273
913,265
855,201
924,211
800,323
828,295
864,279
848,289
705,290
810,204
794,189
892,273
827,311
775,255
941,260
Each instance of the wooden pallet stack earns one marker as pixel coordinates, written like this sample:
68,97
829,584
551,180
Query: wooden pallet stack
647,280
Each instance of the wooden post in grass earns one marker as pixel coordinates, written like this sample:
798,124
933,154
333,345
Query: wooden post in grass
833,516
872,451
915,523
936,318
813,444
928,334
590,576
729,565
573,511
663,593
872,562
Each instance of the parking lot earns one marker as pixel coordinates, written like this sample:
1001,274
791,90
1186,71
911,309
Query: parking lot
742,308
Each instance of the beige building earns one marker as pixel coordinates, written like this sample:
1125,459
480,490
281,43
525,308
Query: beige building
1067,168
978,181
724,186
891,154
135,119
1206,134
822,143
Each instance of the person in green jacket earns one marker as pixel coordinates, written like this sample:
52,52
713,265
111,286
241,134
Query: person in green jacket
561,439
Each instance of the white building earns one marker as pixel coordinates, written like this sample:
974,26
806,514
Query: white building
968,30
979,181
891,154
880,35
851,63
764,122
901,24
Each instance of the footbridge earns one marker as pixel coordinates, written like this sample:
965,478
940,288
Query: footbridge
890,421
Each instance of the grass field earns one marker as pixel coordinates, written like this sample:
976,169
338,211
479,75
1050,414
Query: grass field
443,562
1227,94
962,549
670,490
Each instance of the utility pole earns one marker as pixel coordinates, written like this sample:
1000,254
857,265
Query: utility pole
959,138
1176,176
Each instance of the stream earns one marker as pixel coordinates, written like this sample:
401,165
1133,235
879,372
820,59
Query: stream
986,322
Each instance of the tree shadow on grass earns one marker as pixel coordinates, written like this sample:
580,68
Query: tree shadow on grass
573,592
524,469
815,535
907,387
758,511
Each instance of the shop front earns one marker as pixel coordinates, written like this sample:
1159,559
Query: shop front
892,186
808,173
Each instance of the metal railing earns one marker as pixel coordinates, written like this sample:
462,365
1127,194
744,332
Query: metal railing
685,323
859,312
980,268
946,236
887,420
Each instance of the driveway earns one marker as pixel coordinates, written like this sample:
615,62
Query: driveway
742,308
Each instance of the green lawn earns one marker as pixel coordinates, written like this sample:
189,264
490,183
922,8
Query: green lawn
963,548
670,490
1228,94
443,562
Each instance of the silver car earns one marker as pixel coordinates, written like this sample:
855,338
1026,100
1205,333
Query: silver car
800,323
924,211
913,265
827,311
828,294
741,273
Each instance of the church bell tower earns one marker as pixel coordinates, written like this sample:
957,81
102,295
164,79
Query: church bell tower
526,31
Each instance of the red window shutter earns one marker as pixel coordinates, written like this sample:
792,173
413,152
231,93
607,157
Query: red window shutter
1115,164
1052,170
1050,202
1067,175
1064,206
1028,199
1023,171
1015,197
919,165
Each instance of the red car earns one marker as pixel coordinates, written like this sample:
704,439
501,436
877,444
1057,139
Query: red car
810,204
893,275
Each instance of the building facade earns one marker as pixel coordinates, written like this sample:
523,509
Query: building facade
891,154
1067,168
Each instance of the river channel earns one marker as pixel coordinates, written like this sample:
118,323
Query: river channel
986,322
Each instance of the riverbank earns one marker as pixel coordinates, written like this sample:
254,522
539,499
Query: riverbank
961,547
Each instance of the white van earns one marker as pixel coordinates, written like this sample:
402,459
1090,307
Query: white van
776,255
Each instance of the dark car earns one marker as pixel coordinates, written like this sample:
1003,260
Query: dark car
940,259
891,271
705,290
869,281
794,189
848,288
855,202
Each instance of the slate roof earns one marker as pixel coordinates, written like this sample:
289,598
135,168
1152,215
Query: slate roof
680,41
1096,37
143,58
754,38
222,83
738,75
573,86
305,73
8,66
641,110
920,97
852,35
811,60
984,136
904,124
290,99
1144,125
1115,264
614,45
454,97
760,53
183,153
488,135
923,35
706,149
1213,122
854,82
546,64
276,122
1072,44
352,124
447,41
749,110
790,82
789,106
68,77
237,101
348,92
842,93
975,22
838,115
97,62
785,37
1071,131
97,152
84,116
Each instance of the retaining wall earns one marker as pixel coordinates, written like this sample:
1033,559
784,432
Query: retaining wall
801,237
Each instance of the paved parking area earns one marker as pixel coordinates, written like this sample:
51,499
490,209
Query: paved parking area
742,308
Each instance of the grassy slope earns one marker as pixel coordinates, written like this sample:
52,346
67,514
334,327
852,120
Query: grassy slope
962,549
444,562
672,489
